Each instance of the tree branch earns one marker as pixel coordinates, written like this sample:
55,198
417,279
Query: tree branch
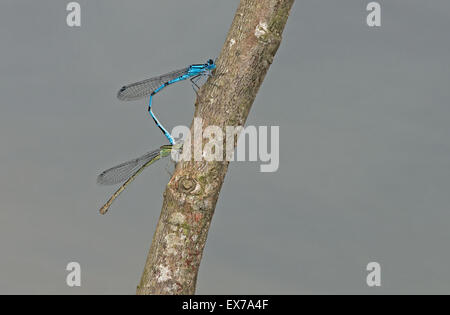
225,100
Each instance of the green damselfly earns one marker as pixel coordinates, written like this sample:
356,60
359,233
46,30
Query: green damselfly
129,170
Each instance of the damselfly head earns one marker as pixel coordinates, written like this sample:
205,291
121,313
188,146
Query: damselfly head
210,64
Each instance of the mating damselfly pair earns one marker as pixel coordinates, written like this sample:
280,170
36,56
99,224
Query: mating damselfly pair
126,172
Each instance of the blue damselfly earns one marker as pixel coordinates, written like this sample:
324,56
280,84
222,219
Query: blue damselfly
138,90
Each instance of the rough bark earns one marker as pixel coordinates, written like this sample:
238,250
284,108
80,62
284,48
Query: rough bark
225,100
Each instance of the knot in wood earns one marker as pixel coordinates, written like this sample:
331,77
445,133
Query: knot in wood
187,184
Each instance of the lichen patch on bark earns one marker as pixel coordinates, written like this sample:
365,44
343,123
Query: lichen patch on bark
261,29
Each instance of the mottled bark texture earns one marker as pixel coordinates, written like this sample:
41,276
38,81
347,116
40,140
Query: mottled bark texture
225,100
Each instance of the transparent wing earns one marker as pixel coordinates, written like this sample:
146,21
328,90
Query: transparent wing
144,88
123,171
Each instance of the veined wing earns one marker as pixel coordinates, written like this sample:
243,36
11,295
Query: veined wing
144,88
130,170
123,171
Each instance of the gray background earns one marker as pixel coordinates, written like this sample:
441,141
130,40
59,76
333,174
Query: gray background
364,168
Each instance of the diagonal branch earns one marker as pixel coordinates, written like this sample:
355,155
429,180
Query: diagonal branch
225,100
